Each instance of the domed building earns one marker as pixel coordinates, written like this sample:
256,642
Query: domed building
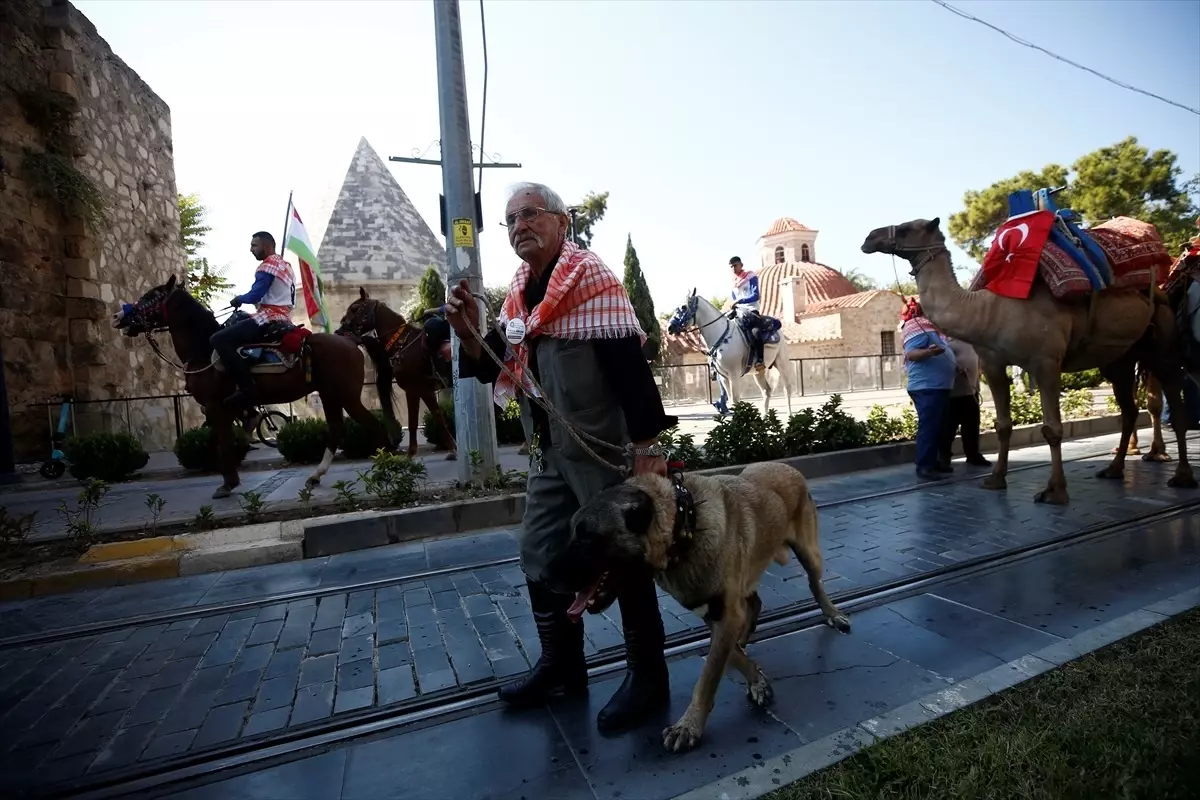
825,318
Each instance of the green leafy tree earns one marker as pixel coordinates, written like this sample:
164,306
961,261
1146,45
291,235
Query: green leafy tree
719,301
590,211
642,302
861,280
431,293
1124,179
494,300
203,281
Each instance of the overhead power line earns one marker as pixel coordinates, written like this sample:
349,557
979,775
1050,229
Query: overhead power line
1033,46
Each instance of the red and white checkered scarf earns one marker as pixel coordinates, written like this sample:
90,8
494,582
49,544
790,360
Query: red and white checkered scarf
584,300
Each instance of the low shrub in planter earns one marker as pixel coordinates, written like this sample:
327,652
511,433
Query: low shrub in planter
302,441
196,449
111,457
508,424
355,441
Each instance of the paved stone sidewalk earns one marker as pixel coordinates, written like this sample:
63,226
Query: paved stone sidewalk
125,503
139,693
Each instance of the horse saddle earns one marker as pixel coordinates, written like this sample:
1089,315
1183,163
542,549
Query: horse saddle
277,352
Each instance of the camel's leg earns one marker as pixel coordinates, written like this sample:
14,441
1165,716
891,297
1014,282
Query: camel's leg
997,379
222,423
1154,405
1171,381
413,398
1049,381
333,417
429,397
1122,375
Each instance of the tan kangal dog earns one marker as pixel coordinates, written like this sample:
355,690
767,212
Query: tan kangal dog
708,540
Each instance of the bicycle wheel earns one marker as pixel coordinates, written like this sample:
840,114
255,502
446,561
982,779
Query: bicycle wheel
268,427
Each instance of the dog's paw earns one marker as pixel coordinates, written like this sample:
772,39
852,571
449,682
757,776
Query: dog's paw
760,692
683,735
839,621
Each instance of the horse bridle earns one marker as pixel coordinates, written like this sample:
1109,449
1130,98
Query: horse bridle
692,308
363,325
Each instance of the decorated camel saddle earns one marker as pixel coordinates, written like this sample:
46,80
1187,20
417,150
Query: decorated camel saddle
1040,240
281,347
1183,280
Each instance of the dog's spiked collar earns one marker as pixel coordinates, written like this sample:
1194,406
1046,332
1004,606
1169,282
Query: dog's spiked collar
684,529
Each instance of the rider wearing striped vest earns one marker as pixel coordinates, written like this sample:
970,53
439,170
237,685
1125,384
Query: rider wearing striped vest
274,296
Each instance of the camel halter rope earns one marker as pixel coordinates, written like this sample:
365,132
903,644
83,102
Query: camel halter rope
928,253
575,433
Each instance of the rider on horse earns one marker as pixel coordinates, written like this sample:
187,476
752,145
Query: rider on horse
745,307
274,296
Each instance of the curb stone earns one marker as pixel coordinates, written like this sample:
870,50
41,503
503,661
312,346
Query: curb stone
787,768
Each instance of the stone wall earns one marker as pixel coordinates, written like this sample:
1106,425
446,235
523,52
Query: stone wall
65,269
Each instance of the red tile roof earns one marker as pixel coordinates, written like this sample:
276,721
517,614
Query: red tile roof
822,283
786,225
857,300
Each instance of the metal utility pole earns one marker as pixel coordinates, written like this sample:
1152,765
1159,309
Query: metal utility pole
474,418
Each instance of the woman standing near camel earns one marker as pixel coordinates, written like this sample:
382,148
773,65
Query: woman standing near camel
931,368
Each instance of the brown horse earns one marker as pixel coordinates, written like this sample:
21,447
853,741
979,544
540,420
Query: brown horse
397,349
327,364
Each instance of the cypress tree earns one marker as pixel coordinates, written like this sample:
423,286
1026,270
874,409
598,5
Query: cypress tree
643,303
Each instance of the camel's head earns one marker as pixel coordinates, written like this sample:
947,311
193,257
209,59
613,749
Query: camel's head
906,240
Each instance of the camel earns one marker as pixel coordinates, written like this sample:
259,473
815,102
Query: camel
1114,331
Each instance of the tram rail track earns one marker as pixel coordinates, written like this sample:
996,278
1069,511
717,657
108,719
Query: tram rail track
253,753
101,627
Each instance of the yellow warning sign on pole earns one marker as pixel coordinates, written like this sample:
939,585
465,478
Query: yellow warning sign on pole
464,232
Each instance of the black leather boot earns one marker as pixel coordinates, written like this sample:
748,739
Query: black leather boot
561,667
646,688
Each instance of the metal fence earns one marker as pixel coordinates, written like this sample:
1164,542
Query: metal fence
157,420
692,384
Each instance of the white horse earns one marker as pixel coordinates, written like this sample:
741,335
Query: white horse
728,351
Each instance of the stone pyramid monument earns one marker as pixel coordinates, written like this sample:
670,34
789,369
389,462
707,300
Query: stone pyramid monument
375,238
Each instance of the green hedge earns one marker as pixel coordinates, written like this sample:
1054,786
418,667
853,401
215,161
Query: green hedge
196,449
302,441
508,424
356,443
111,457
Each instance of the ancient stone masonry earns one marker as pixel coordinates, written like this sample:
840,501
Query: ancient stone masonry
88,218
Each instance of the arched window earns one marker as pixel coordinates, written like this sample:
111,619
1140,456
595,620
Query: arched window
778,255
805,255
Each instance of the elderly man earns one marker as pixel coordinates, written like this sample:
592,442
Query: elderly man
567,321
962,410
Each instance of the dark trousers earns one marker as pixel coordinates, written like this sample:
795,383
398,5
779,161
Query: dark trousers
931,408
226,342
961,412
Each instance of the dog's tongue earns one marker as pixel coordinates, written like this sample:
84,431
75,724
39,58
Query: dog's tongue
582,599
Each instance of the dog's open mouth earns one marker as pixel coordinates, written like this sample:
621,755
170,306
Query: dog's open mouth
595,598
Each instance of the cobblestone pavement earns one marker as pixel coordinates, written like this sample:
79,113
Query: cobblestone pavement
100,702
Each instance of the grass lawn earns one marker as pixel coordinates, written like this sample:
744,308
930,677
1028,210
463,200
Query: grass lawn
1122,722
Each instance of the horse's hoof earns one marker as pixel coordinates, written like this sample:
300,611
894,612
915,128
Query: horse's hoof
312,481
1111,473
221,493
1054,497
996,483
452,457
1161,458
1184,481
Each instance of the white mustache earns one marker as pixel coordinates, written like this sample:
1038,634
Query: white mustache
536,240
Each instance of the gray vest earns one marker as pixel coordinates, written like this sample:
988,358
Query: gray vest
576,388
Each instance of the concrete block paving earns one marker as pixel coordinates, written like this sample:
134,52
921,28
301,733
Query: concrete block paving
144,693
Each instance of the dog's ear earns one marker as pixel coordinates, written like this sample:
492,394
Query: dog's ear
637,509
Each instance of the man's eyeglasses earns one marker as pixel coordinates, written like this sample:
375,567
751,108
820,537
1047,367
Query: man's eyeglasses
528,214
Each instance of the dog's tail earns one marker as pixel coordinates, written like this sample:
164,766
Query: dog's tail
806,519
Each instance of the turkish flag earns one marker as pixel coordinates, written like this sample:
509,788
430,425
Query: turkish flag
1012,262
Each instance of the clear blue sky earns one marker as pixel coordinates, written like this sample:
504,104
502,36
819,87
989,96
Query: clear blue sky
705,120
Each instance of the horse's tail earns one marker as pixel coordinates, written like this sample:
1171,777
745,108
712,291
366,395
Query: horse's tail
383,379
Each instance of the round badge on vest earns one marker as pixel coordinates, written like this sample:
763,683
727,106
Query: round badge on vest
515,331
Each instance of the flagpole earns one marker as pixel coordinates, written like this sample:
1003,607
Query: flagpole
287,218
